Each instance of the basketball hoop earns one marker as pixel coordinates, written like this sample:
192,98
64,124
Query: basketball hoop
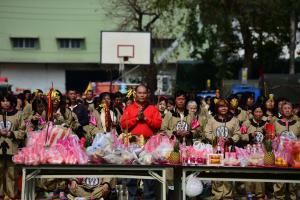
125,47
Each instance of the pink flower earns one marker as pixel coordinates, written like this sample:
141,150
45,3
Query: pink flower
243,129
82,142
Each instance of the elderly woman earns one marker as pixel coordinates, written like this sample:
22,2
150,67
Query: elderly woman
199,119
288,127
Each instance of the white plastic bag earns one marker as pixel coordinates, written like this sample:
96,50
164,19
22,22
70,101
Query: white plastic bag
194,186
101,141
145,158
162,152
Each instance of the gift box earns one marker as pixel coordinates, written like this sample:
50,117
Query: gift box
215,159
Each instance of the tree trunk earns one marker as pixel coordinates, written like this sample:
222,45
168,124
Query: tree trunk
150,77
248,47
292,41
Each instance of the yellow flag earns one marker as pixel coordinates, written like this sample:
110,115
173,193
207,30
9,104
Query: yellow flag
89,87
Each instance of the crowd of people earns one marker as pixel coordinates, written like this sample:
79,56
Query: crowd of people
188,119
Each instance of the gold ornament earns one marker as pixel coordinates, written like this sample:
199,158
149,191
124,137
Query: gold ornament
131,94
234,102
55,96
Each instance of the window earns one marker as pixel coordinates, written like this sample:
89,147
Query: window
65,43
165,84
25,43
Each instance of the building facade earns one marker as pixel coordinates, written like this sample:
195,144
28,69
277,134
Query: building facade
41,41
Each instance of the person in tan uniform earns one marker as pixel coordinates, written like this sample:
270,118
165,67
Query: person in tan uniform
118,108
94,125
222,125
255,127
280,102
38,119
89,188
12,133
107,117
61,114
178,121
237,112
270,109
89,100
162,106
102,118
199,119
289,127
27,110
247,102
255,134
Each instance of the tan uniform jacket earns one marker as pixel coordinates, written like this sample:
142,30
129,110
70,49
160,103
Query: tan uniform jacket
27,111
93,129
228,128
198,133
69,120
271,118
241,115
32,125
90,183
204,112
15,124
172,122
255,131
100,121
91,106
293,127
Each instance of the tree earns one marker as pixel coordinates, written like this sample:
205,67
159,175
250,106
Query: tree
253,26
140,15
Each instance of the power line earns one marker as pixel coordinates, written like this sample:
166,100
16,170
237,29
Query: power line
50,19
37,13
45,7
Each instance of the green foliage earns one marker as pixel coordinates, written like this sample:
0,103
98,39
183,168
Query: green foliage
260,27
268,145
176,147
132,139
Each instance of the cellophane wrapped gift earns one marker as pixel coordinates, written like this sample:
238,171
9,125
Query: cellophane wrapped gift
120,157
251,155
53,156
52,145
160,146
108,148
283,148
196,154
295,153
56,133
102,145
71,151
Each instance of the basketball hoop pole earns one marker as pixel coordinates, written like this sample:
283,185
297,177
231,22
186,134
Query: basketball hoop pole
121,69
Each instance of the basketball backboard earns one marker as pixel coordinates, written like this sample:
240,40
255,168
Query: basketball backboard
125,47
